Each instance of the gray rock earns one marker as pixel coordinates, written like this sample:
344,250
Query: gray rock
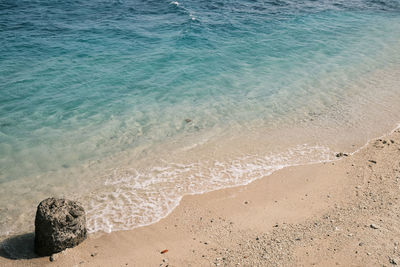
59,224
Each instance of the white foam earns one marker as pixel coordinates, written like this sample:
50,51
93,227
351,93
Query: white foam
144,197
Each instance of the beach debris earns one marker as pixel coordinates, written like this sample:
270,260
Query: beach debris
374,226
394,261
59,224
164,251
341,154
188,120
372,161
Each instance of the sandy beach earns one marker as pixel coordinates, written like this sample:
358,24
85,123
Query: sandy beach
344,213
199,133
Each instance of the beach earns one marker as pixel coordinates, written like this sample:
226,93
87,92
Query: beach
343,212
129,106
198,133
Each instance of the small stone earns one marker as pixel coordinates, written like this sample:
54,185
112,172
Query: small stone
374,226
394,261
93,254
188,120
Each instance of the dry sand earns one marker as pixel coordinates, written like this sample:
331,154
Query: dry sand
339,213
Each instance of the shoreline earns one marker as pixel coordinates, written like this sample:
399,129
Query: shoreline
267,221
335,158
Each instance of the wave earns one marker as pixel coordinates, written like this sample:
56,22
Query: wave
133,198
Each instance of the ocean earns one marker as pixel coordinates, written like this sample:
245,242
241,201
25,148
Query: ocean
127,106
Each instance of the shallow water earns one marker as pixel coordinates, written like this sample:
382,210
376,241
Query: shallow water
129,105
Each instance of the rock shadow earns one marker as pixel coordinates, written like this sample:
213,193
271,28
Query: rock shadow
18,247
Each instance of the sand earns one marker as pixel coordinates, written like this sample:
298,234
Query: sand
339,213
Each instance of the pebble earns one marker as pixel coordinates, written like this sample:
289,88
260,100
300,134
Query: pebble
374,226
393,261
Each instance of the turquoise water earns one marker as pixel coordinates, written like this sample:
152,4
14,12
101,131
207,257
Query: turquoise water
96,95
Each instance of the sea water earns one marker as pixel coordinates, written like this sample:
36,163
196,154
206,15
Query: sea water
129,105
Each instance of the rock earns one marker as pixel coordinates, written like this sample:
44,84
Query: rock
393,261
59,224
374,226
188,120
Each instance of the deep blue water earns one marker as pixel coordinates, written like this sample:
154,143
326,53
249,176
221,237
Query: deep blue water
83,80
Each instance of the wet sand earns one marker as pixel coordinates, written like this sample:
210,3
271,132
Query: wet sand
339,213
